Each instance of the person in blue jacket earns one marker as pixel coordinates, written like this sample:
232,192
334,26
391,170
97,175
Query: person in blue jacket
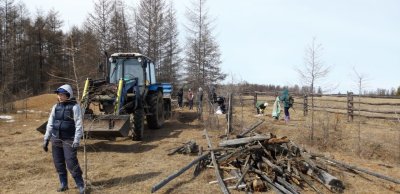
64,130
285,99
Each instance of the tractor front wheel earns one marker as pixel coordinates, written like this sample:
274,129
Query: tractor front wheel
156,118
138,124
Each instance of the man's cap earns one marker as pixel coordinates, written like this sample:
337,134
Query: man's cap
61,90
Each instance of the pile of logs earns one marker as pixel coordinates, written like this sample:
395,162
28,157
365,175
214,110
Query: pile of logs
264,162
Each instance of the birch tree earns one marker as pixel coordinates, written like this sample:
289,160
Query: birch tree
314,70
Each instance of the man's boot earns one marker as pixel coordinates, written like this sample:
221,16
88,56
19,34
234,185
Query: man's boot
80,184
63,182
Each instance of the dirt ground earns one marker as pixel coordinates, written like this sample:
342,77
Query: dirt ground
125,166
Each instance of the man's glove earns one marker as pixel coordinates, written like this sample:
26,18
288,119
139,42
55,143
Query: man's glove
45,145
75,145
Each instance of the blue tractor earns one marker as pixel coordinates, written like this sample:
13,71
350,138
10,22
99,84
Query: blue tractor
118,105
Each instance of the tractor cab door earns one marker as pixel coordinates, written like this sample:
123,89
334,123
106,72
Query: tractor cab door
150,73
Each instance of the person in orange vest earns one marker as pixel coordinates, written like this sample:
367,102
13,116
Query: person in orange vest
190,99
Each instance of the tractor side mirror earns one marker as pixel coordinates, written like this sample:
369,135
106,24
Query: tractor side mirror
100,68
143,62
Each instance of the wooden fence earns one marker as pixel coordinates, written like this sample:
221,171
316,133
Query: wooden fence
342,104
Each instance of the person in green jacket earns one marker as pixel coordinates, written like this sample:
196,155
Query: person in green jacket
261,105
276,109
285,99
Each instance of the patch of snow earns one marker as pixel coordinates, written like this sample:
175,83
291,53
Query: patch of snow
10,121
7,117
29,111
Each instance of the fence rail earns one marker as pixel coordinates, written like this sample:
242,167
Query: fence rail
349,105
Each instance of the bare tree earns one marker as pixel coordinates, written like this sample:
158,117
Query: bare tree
171,59
313,71
151,30
99,22
202,50
361,79
120,39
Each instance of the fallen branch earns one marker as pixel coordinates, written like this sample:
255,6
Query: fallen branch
352,167
179,172
251,128
220,181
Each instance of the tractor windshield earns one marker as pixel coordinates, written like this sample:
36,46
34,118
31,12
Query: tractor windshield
126,68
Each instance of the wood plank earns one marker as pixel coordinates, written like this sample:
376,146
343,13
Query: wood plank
214,161
241,141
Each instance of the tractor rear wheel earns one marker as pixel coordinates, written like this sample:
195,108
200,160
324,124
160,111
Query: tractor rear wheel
138,124
156,109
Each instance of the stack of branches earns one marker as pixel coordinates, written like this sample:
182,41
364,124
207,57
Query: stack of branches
264,162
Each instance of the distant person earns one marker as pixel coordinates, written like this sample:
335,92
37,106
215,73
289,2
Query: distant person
276,109
212,95
190,99
64,130
180,98
261,105
200,101
286,104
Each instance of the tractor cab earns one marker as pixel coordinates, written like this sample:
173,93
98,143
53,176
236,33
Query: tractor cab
128,66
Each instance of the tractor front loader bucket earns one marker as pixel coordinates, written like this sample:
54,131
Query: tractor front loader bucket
106,126
102,126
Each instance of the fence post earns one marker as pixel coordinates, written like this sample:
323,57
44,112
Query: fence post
255,100
229,114
350,105
305,105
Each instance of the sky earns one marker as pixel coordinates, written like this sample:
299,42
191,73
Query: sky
265,41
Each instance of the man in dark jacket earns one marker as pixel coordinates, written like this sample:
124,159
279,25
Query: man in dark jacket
285,99
180,98
64,130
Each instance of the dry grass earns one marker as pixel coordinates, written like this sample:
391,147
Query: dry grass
123,166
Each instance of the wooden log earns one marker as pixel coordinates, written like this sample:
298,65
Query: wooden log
214,161
269,181
240,180
274,167
179,172
189,147
353,167
328,180
241,141
199,165
283,189
251,128
287,185
309,183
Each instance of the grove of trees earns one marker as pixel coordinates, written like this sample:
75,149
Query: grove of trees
36,55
